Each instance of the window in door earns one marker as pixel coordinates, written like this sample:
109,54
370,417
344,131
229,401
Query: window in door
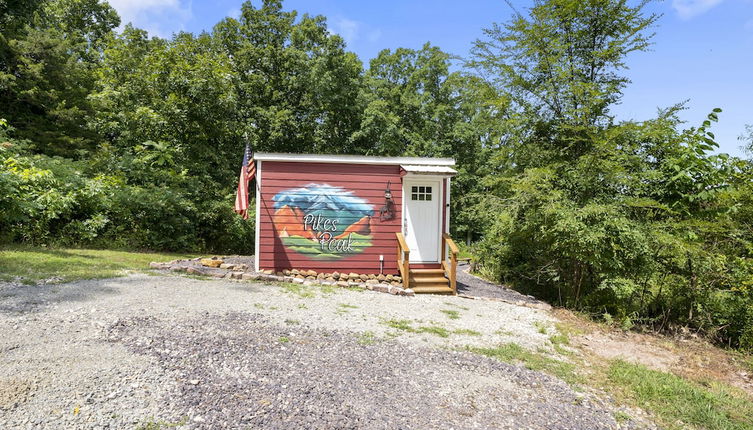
420,193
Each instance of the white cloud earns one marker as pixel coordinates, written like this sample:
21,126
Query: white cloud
347,29
690,8
158,17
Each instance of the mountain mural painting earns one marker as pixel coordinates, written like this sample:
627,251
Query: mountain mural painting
323,222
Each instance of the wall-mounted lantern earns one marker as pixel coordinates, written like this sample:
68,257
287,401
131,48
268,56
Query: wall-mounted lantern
387,212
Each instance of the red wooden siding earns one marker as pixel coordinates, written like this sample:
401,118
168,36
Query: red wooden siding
365,182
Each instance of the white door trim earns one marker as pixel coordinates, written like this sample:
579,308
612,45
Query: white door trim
438,181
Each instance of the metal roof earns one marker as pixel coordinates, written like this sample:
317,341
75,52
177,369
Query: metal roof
353,159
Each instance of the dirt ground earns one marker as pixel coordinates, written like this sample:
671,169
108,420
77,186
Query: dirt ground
687,356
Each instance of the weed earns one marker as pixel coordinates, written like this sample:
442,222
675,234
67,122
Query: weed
503,332
540,327
258,305
457,306
451,314
283,339
347,306
622,417
292,322
302,306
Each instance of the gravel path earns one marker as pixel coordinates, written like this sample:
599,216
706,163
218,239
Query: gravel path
122,353
474,286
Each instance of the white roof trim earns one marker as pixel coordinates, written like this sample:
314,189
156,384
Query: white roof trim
353,159
429,170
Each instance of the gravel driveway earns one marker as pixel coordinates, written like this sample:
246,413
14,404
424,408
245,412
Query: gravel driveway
164,350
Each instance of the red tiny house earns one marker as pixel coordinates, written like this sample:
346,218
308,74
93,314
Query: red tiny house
345,213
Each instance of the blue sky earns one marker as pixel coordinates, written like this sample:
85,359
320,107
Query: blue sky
703,49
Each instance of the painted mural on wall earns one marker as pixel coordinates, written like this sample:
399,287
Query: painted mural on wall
323,222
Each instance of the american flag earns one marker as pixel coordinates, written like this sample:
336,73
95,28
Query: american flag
248,171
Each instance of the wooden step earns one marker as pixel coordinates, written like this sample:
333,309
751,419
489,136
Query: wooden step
438,271
429,280
420,289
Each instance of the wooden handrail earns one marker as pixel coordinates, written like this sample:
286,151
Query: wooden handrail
403,259
452,267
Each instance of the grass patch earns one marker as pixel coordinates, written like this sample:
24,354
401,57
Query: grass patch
32,265
297,290
451,313
467,332
292,322
407,326
679,403
347,306
403,325
283,339
512,352
433,329
367,338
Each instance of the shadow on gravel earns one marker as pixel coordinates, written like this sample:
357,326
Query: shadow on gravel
474,286
21,299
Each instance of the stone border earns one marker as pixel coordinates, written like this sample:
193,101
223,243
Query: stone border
213,267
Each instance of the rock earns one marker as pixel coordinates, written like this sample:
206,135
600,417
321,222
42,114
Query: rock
227,266
309,283
155,265
381,288
280,274
364,277
268,272
394,290
409,292
196,271
310,277
194,382
397,278
288,278
352,275
242,267
394,283
178,268
286,272
211,262
343,284
320,276
388,278
236,275
227,275
380,277
372,276
250,276
295,272
330,279
297,280
311,273
336,275
299,276
354,284
372,281
198,419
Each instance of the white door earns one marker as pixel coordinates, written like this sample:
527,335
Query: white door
421,219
